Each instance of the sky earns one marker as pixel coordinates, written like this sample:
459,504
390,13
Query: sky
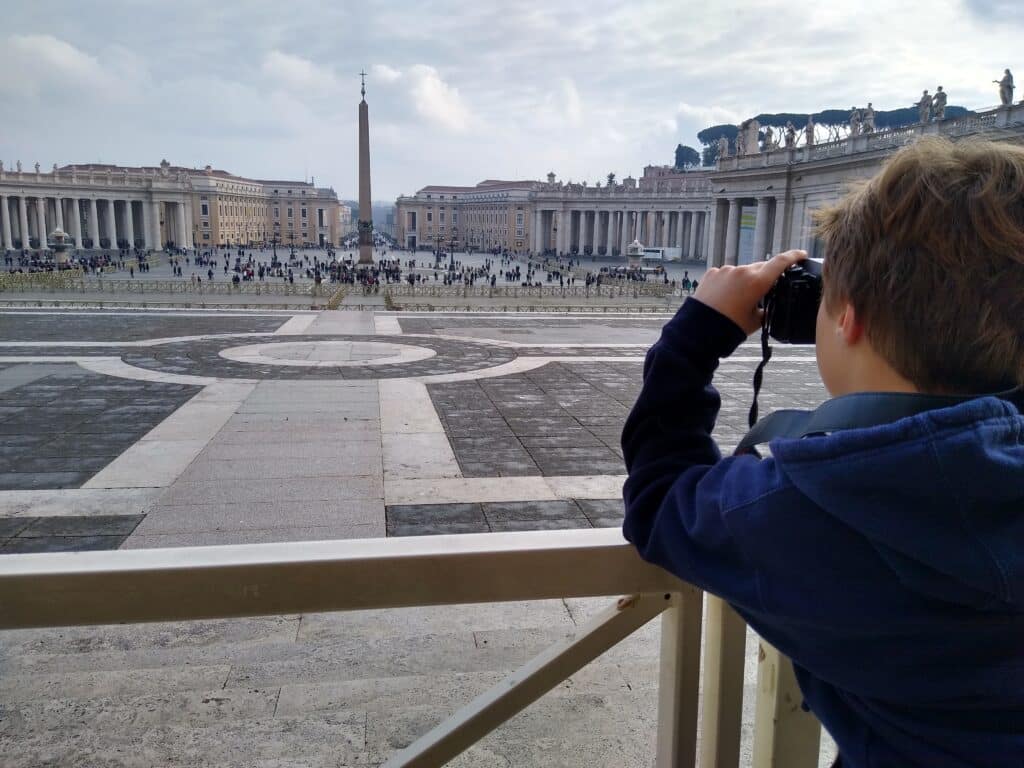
463,91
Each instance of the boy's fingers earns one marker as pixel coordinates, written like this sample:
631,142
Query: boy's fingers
775,266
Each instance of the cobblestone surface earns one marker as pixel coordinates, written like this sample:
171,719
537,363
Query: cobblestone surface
59,430
19,535
101,326
202,358
433,519
557,420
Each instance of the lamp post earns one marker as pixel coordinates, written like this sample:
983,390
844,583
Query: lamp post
451,251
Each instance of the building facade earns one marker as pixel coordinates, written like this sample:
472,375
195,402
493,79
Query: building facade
109,207
741,210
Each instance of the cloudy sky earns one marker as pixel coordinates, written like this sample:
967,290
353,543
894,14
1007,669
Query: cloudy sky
464,90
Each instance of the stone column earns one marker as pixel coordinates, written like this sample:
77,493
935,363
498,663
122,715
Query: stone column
147,226
625,233
761,229
538,217
129,224
779,219
154,221
180,236
111,227
562,224
58,209
190,240
692,245
94,223
5,211
76,222
597,233
23,221
665,217
41,221
732,233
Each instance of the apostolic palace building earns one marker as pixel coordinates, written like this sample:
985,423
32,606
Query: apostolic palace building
747,205
108,206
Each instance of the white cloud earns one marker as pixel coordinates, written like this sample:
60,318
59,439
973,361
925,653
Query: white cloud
571,102
385,74
437,101
36,64
297,73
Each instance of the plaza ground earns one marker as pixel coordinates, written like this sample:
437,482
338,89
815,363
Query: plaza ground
135,429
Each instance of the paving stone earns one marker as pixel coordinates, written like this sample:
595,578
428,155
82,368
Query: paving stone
436,529
497,511
544,524
413,514
95,525
601,507
11,526
24,544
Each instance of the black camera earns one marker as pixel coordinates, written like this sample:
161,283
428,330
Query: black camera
791,306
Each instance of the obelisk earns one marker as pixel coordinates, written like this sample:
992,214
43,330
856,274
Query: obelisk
365,210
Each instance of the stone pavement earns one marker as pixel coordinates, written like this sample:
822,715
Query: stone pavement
181,428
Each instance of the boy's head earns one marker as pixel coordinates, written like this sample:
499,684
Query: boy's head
925,263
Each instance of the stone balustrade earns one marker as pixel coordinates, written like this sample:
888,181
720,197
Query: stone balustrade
889,138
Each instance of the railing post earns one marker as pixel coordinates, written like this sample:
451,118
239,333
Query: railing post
679,680
724,646
785,736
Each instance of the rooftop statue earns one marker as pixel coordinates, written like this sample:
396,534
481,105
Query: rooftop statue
869,119
856,122
809,132
924,107
723,146
939,105
1005,88
790,135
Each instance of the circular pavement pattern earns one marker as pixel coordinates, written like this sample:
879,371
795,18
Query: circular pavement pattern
320,357
327,354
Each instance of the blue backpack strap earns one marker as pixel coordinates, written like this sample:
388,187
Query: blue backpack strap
857,411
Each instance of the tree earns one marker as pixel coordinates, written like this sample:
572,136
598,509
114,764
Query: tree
686,157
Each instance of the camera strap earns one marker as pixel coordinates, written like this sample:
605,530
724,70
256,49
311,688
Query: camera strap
857,411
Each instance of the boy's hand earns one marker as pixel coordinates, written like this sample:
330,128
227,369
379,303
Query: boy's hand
735,291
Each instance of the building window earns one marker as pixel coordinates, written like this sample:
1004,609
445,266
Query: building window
303,213
204,209
430,216
519,219
442,217
290,213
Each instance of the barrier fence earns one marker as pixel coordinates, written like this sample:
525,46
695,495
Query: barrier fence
88,588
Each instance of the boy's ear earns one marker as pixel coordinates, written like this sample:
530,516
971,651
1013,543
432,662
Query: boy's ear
848,325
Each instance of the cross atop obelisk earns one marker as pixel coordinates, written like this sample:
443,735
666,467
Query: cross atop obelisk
365,211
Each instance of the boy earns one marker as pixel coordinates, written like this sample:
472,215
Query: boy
887,562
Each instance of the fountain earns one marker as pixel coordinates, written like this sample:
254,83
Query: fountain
60,243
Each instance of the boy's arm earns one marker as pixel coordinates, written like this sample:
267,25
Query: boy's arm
679,488
673,494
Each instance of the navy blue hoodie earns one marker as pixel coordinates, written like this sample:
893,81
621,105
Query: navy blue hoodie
887,562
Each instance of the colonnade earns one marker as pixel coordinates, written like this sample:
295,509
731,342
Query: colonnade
609,232
94,223
769,226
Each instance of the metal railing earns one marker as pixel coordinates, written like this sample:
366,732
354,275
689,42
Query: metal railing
88,588
611,289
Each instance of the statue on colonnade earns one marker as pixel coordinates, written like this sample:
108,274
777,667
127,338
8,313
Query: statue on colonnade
790,135
869,119
1005,88
939,105
924,107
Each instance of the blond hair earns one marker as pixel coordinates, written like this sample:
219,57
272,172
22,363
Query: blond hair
930,254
